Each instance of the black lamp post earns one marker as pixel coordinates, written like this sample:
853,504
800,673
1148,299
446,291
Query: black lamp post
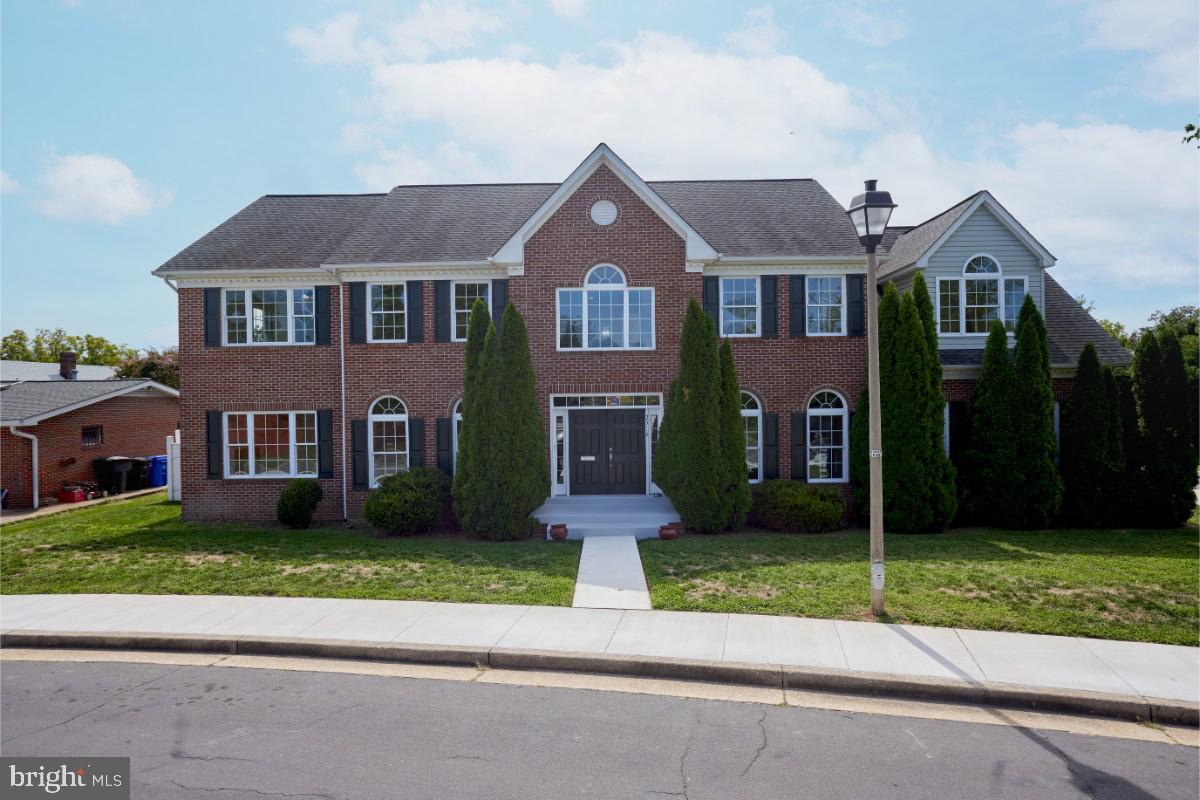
870,212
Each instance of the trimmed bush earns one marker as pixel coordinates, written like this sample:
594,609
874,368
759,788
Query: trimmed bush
467,503
408,502
298,502
783,505
1032,407
736,494
993,485
1089,464
1168,455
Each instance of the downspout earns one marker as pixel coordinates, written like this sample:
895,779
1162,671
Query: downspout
342,368
34,440
174,288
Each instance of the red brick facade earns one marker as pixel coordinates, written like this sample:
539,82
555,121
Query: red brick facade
133,426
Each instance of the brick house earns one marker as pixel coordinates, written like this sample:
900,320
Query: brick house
321,335
54,424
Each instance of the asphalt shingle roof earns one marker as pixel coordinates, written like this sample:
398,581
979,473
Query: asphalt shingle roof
34,398
905,250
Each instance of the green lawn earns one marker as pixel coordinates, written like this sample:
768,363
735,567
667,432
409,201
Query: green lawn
1139,585
142,546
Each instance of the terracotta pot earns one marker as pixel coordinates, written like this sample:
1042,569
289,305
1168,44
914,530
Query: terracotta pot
558,532
669,531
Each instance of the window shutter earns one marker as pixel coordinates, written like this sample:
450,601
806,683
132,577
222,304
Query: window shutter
214,436
854,305
212,317
441,311
960,430
797,326
712,299
770,446
325,444
322,314
799,446
358,437
414,305
499,301
445,449
770,306
416,442
358,313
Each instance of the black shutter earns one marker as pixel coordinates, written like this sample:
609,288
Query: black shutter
445,447
358,437
325,443
799,446
854,305
358,313
770,306
960,430
322,315
796,308
770,446
212,317
213,436
414,305
416,442
499,301
441,311
712,299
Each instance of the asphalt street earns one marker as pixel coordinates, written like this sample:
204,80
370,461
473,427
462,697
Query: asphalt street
216,732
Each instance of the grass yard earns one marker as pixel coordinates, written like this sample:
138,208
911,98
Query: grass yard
1138,585
142,546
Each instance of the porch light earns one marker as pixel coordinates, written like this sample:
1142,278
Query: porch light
870,212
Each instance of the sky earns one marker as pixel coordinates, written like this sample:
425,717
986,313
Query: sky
132,127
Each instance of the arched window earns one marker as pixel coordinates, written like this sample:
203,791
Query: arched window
605,314
969,304
389,438
457,432
827,439
752,424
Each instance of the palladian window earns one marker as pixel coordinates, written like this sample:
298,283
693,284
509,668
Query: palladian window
606,314
982,295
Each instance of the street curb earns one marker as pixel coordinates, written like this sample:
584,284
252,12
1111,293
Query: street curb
1099,704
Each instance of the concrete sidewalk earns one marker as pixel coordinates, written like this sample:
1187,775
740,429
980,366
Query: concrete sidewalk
957,664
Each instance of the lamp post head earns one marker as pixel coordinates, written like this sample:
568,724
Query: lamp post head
870,212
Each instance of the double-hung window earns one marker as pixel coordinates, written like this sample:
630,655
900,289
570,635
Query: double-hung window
971,303
465,295
389,438
739,307
827,440
606,314
388,309
270,316
826,301
271,445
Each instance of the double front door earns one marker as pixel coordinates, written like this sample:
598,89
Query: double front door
608,451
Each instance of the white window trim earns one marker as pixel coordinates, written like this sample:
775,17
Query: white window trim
372,481
605,287
758,412
292,473
757,306
961,280
842,412
808,317
1004,300
291,310
453,311
370,316
455,420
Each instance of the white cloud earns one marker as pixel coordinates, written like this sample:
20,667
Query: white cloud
96,188
573,9
759,35
8,183
1165,32
864,21
332,42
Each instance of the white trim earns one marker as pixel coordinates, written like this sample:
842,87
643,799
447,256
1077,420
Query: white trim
563,412
758,302
248,303
124,390
844,413
455,419
454,311
372,481
759,266
1018,230
371,314
513,250
625,290
807,261
946,427
808,317
758,414
249,445
1002,302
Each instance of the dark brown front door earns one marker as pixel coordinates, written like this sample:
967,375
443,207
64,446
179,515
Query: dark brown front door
608,452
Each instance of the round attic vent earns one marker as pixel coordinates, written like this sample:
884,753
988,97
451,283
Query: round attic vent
604,212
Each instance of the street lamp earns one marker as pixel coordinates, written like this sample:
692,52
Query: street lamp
870,212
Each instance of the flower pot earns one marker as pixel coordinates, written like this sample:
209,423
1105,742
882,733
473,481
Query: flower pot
669,531
558,532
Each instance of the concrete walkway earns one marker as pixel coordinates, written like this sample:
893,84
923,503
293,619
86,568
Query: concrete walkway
610,574
961,656
18,514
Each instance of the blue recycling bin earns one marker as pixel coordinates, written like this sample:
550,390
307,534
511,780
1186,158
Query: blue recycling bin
158,470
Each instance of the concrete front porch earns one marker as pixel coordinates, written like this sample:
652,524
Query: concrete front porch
608,515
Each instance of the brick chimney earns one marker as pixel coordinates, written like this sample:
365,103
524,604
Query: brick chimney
66,365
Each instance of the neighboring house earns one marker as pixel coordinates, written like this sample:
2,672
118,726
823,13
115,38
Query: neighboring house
52,429
66,369
321,335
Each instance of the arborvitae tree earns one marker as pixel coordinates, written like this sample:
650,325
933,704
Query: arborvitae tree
1160,383
736,494
688,463
1087,467
488,459
1131,481
943,496
1033,422
1116,488
993,480
465,508
860,460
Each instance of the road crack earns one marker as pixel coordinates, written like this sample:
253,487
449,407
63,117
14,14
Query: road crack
256,792
763,729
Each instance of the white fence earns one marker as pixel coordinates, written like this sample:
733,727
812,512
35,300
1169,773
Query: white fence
174,484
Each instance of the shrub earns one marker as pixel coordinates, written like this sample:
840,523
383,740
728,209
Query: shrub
736,493
1032,407
298,502
784,505
993,486
1089,462
408,502
467,490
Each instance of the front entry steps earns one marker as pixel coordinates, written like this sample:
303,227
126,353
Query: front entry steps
638,515
610,574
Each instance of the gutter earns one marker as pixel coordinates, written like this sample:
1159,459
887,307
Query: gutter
167,281
34,440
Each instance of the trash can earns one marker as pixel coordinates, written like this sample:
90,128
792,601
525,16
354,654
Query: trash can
139,474
112,473
158,470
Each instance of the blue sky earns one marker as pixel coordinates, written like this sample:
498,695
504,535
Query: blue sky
132,127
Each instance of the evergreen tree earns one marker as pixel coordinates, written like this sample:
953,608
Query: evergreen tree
1115,490
466,505
943,491
1033,422
1087,467
1160,384
688,464
1131,482
993,483
860,458
736,493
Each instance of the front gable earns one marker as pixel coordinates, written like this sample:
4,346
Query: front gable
985,222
